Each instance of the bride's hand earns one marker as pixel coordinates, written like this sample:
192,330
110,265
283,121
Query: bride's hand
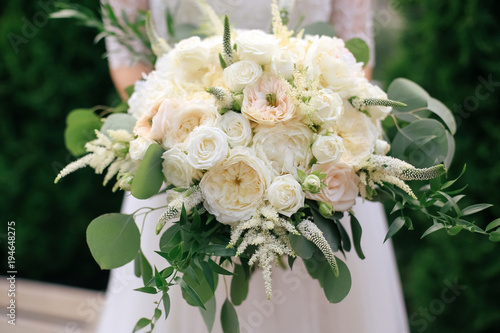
124,77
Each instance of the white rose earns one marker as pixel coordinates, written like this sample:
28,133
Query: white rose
382,147
282,64
285,195
284,148
337,68
328,107
207,146
191,53
177,170
358,133
328,148
235,187
241,74
138,147
237,128
257,46
341,185
177,118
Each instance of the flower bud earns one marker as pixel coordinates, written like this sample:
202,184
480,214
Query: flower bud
312,184
326,209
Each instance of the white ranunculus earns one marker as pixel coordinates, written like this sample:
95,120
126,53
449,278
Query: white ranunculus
358,133
241,74
138,147
285,195
328,107
206,147
177,170
284,148
328,148
237,128
177,118
235,187
191,53
337,68
256,45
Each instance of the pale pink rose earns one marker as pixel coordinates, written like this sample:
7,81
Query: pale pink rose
143,124
267,101
341,185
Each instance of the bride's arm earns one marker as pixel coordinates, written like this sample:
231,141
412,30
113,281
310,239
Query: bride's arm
124,72
354,18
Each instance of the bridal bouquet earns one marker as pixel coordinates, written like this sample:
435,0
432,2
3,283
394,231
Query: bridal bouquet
262,143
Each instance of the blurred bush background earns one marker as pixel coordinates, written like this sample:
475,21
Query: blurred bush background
49,67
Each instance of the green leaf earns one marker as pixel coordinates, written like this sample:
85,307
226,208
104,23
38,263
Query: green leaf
320,28
170,238
80,129
346,242
475,209
357,231
209,314
146,270
329,228
166,303
119,121
147,290
337,288
143,322
137,265
435,227
442,112
149,177
187,290
239,285
408,92
113,240
303,247
359,50
157,314
217,250
167,272
453,231
495,236
492,225
229,318
218,269
195,278
396,225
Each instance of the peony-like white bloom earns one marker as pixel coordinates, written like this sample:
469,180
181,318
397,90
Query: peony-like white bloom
177,170
267,101
358,133
328,107
328,148
337,68
241,74
256,46
341,185
235,187
138,147
207,146
177,118
284,148
285,195
191,53
237,128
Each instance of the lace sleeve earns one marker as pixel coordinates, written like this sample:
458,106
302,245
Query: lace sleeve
354,18
119,55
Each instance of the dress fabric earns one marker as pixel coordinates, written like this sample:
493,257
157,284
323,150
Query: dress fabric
375,303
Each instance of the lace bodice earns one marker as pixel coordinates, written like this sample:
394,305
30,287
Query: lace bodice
351,18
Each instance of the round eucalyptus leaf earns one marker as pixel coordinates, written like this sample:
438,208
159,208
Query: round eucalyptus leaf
319,28
119,121
80,129
337,288
359,50
149,177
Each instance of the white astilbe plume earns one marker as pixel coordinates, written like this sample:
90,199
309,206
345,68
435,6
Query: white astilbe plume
269,233
280,30
311,232
190,199
377,169
104,152
210,22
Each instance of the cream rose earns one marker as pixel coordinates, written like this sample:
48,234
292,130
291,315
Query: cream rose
358,133
284,148
328,107
256,46
241,74
328,148
237,128
267,101
341,185
177,118
191,53
285,195
138,147
207,146
177,170
234,188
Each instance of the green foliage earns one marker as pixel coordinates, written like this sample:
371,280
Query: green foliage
149,177
451,49
80,128
359,49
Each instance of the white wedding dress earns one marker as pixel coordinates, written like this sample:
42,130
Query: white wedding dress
374,304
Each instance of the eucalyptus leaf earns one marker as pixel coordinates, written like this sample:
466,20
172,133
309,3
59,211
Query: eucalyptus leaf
149,177
80,129
229,318
239,285
146,270
119,121
303,247
329,228
359,50
357,231
113,240
320,28
442,111
337,288
346,241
